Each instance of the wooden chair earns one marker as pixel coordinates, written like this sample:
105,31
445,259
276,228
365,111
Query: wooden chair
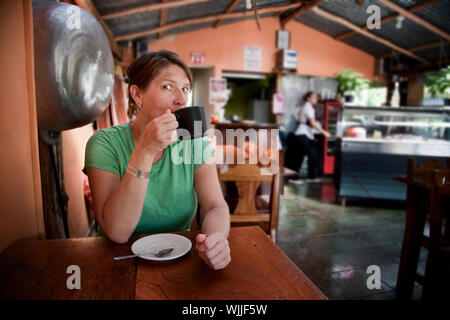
424,198
248,178
439,237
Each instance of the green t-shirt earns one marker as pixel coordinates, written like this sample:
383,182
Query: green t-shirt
171,202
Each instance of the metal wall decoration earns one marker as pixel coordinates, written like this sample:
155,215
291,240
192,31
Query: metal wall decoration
74,77
74,67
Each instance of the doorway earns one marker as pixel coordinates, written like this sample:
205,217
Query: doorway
251,95
200,91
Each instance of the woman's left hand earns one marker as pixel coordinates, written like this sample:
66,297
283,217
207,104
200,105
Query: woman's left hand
213,249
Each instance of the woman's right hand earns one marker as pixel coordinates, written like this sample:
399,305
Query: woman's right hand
158,134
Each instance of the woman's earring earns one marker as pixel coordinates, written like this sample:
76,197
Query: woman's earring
139,108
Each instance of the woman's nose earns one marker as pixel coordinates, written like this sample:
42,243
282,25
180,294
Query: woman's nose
180,99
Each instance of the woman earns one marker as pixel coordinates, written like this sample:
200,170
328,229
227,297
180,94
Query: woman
304,137
136,187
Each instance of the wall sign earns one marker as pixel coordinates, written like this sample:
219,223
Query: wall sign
197,57
218,93
278,105
252,58
283,39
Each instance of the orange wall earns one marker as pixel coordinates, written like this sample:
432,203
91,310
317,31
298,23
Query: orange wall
73,147
20,196
318,54
321,55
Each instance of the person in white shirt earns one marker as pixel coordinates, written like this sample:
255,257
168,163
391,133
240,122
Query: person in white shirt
305,145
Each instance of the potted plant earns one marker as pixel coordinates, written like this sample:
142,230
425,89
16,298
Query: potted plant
349,82
439,84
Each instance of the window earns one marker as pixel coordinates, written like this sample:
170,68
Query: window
374,96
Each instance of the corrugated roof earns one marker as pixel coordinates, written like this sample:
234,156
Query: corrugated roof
437,53
262,4
348,9
210,24
189,28
397,60
200,9
108,6
314,21
134,23
366,44
410,35
437,14
406,3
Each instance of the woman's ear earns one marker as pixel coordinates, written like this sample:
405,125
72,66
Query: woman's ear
136,94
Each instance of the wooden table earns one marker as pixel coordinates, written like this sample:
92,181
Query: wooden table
259,270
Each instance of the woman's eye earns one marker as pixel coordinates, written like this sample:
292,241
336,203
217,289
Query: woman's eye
185,90
167,86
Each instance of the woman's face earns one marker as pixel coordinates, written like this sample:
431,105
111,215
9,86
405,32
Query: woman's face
168,90
313,99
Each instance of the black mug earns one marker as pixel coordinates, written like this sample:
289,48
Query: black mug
192,120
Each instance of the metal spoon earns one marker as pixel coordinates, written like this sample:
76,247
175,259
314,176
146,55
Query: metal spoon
159,254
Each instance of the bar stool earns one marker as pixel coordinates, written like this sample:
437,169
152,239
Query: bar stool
422,199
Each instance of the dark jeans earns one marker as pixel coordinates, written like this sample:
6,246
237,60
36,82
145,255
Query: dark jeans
297,148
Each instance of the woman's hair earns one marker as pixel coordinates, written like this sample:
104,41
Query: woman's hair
145,68
307,95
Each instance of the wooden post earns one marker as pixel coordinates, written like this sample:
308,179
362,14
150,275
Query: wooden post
128,55
390,90
51,201
403,88
278,88
415,91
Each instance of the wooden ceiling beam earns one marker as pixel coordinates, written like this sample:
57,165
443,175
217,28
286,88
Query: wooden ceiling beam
360,30
281,12
418,48
423,68
390,18
183,23
90,7
230,8
150,7
163,19
416,19
303,8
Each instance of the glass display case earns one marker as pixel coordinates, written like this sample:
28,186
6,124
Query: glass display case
377,141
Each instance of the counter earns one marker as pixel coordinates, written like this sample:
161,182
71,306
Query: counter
387,136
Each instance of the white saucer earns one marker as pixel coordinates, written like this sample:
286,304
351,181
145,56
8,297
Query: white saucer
154,243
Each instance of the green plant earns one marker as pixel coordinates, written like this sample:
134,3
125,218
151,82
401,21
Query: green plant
439,83
349,82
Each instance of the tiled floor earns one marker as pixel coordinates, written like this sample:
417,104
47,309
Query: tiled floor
333,245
